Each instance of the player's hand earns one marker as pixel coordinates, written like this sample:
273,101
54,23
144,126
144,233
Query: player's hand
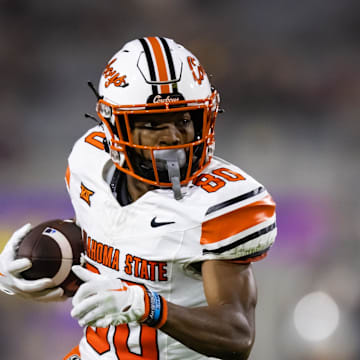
102,301
11,281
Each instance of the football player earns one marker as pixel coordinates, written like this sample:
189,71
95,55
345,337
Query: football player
170,230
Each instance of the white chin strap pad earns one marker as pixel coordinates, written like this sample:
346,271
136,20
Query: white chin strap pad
172,160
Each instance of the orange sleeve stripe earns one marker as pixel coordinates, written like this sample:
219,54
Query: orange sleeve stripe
74,351
160,63
250,260
237,221
2,274
67,176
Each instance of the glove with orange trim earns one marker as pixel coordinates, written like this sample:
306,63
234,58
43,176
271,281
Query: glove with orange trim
11,281
103,301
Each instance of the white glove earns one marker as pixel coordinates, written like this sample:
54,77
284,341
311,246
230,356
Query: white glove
11,281
103,301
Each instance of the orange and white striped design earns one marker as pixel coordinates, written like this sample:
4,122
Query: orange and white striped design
160,62
236,227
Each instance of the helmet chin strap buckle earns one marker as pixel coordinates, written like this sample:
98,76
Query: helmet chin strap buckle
172,160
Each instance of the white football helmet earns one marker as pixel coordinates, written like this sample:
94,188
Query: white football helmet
156,75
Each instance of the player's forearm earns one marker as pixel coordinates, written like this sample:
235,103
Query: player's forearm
216,331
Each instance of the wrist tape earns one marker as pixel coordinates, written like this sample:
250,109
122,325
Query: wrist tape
156,309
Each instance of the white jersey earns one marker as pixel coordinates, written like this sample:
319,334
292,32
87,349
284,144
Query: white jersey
160,242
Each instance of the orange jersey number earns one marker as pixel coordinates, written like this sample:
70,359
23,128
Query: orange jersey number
147,347
97,339
211,183
96,139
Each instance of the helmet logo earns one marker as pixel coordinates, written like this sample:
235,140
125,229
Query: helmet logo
168,99
113,77
194,64
165,98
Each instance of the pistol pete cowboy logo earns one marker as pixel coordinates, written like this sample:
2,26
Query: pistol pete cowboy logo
113,77
86,193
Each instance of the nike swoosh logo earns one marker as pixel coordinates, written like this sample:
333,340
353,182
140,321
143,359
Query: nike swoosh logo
154,223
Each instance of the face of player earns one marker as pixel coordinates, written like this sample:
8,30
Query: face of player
162,130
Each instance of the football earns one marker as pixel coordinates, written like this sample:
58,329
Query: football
53,247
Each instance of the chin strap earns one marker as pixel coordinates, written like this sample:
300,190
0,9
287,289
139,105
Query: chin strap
172,160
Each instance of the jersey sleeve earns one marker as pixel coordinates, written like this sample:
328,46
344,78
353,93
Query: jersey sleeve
238,221
84,169
241,228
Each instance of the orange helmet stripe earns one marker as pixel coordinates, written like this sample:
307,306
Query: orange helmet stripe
160,64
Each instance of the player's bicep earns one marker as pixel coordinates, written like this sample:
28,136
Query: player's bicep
229,283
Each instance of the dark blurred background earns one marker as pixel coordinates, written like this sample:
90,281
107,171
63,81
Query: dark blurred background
288,74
